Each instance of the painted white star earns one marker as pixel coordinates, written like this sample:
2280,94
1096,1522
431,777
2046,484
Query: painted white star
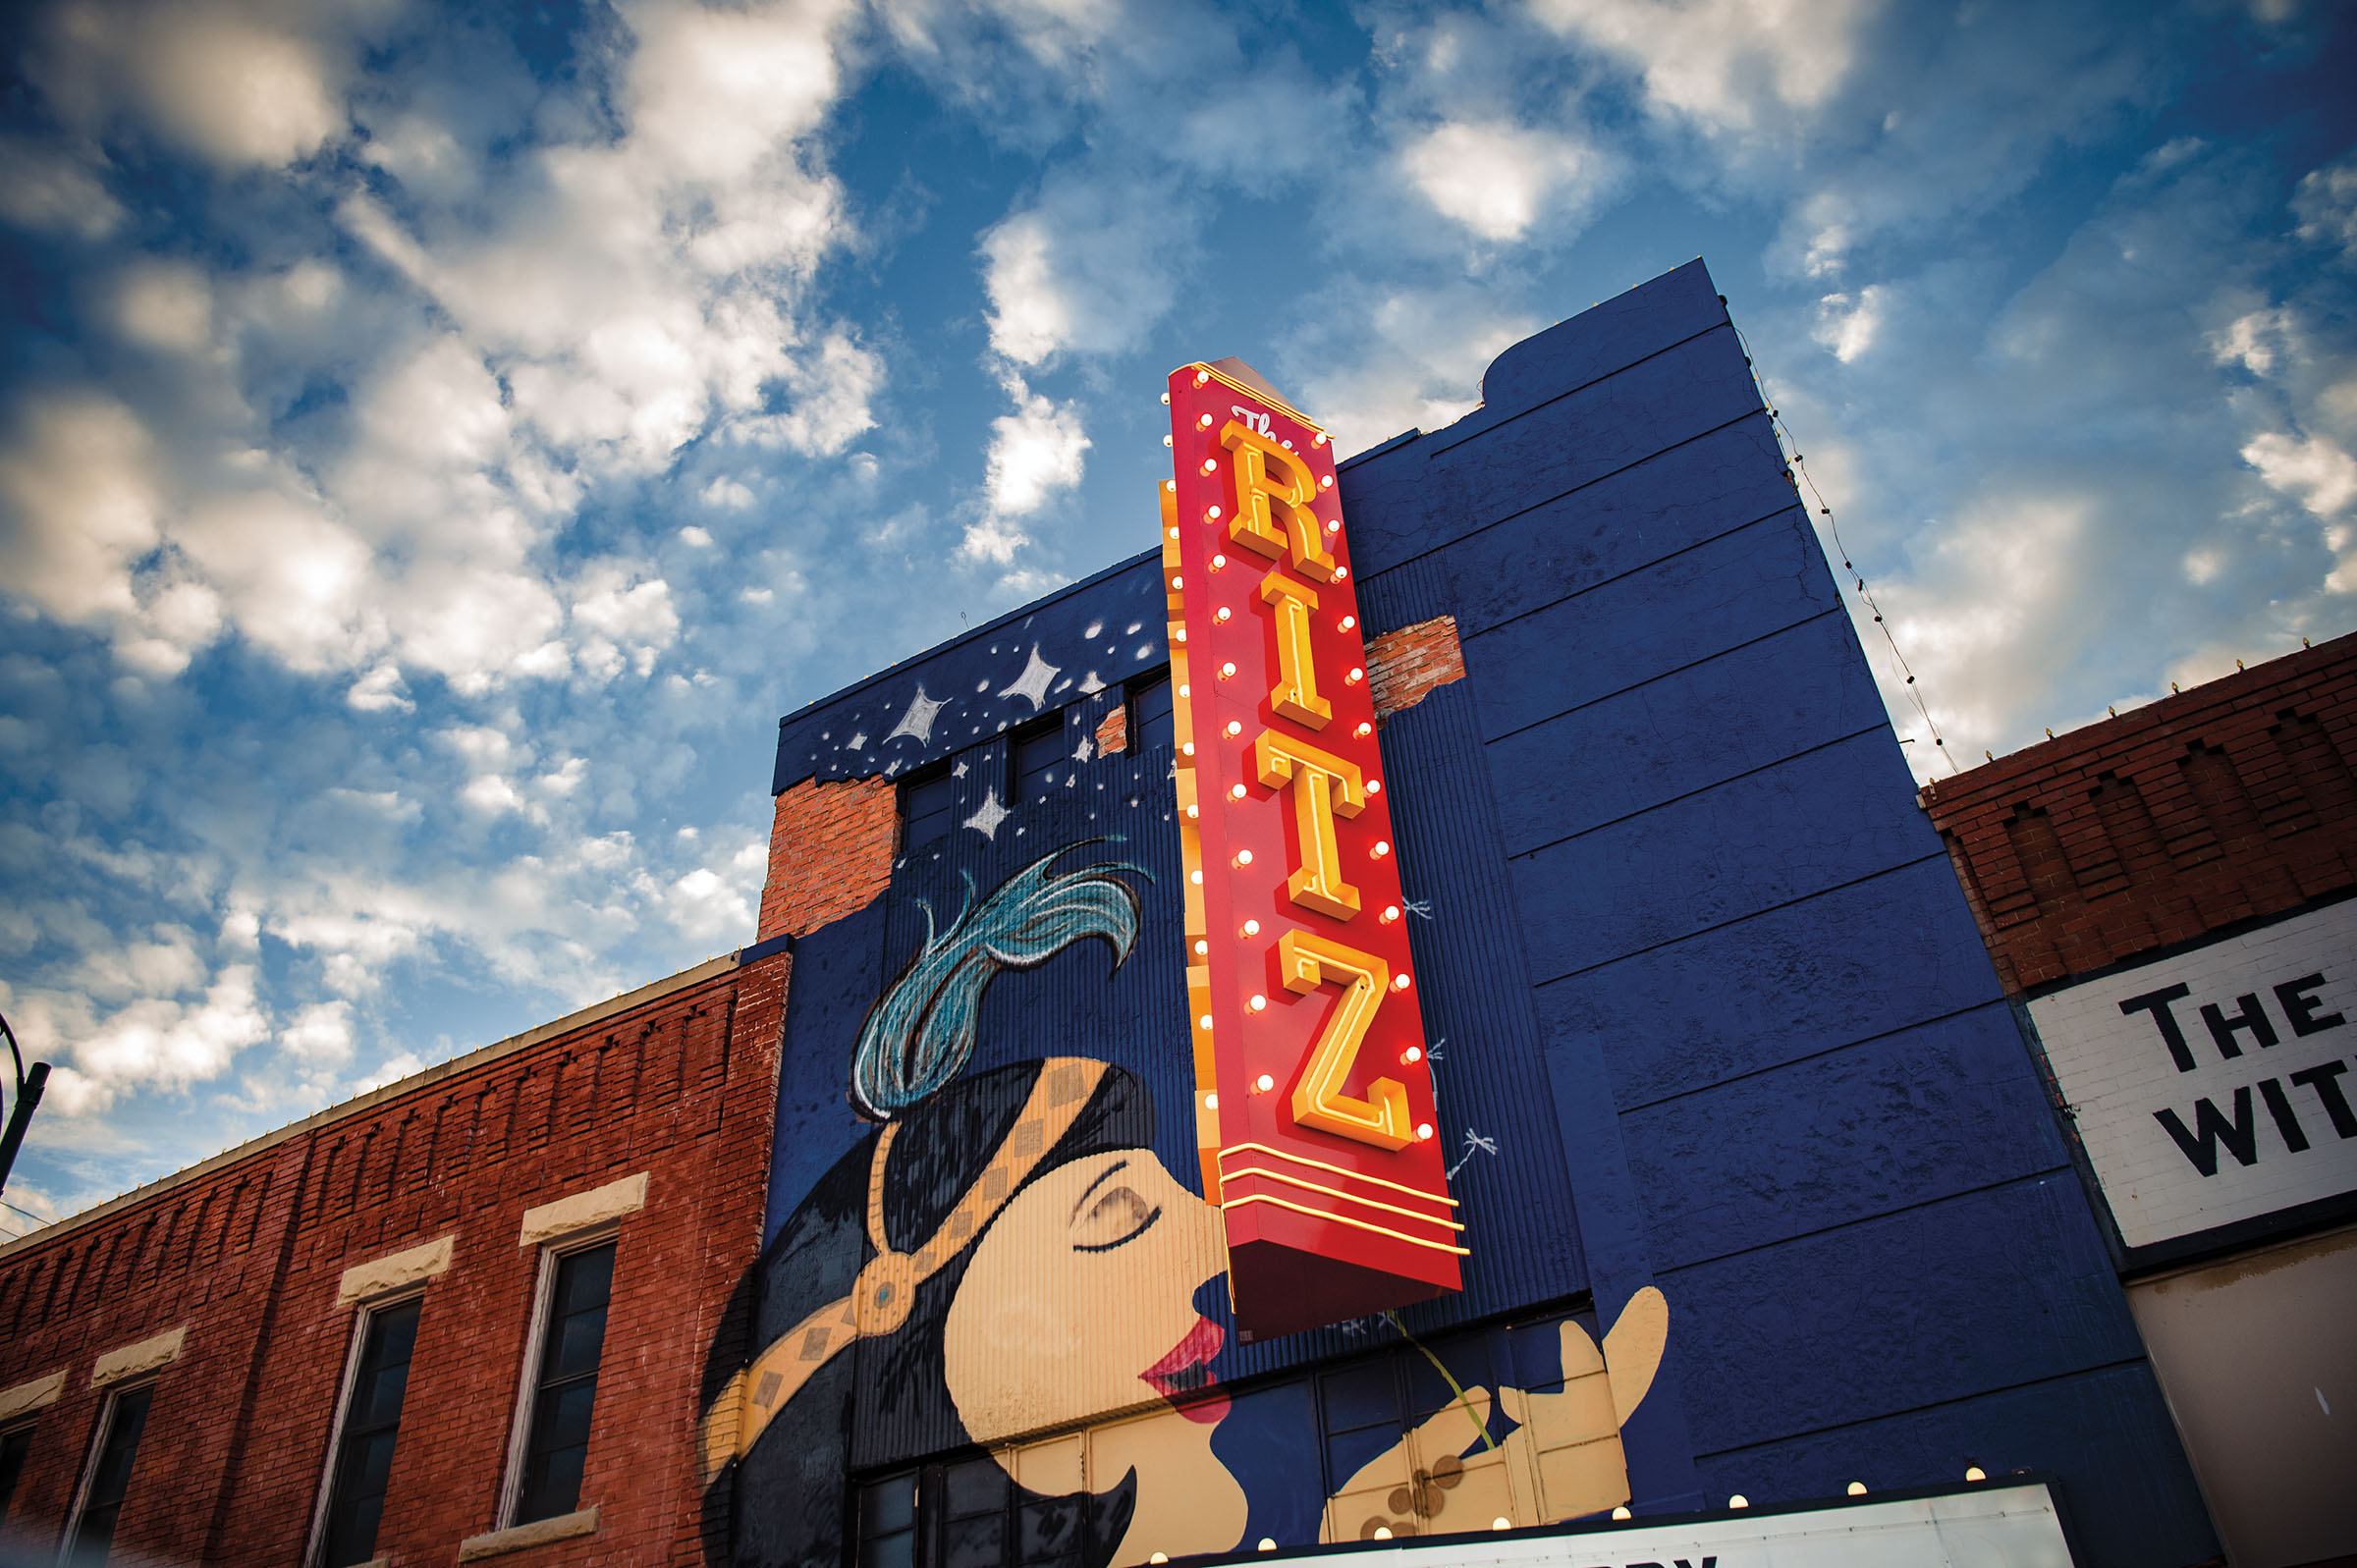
1092,685
859,739
959,772
989,815
1087,747
1033,681
917,721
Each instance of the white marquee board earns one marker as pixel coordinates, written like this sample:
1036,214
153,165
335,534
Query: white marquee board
2217,1085
2000,1527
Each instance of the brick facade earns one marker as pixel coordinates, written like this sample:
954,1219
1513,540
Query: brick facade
2229,802
1403,666
1112,731
245,1254
829,852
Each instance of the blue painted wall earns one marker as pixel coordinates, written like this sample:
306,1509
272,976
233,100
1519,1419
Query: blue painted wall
1702,971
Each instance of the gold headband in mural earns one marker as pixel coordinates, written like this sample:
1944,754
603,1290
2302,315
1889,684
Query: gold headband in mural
886,1289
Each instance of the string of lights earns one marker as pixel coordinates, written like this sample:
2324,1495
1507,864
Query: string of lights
1797,470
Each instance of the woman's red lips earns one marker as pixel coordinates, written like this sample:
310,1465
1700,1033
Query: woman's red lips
1187,1369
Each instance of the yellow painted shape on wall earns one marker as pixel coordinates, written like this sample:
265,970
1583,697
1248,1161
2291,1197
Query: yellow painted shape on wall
1295,694
1307,962
1188,1502
1323,786
1273,512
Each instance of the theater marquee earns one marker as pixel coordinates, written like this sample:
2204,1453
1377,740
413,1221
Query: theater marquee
1313,1103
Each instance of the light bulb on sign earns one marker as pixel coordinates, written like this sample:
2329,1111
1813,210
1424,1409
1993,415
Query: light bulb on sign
1184,688
1211,514
1391,912
1204,1022
1227,672
1222,615
1856,1488
1258,1003
1166,441
1202,948
1349,622
1178,584
1195,877
1382,848
1204,422
1211,466
1235,728
1180,635
1365,729
1252,928
1192,812
1320,439
1236,791
1202,376
1264,1083
1341,573
1189,748
1243,857
1334,526
1211,1101
1399,982
1174,533
1325,481
1424,1131
1355,676
1217,561
1411,1055
1171,485
1165,397
1374,786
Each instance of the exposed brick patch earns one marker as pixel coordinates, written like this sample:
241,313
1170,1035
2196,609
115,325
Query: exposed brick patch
829,852
1403,666
250,1256
2232,801
1112,731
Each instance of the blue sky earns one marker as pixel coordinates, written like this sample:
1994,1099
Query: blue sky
437,444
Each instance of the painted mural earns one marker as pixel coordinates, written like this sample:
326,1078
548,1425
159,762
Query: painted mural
1003,1261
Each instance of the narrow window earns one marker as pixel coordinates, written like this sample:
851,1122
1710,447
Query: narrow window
564,1384
1150,714
380,1379
93,1532
1039,758
888,1522
926,802
15,1445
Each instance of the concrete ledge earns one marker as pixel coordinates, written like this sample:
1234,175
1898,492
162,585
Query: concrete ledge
38,1394
582,1209
160,1350
394,1270
538,1532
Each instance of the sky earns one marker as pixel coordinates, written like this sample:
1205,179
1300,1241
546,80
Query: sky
437,442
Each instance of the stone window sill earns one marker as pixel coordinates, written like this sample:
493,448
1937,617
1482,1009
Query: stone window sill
538,1532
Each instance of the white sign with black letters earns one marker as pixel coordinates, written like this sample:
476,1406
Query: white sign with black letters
2219,1085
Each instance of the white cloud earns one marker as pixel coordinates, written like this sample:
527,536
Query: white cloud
2319,474
78,506
1089,267
1846,324
1497,180
1036,453
2326,204
1726,65
44,189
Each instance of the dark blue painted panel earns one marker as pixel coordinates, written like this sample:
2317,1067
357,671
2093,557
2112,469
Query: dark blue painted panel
2127,1491
1684,732
1716,596
838,970
1617,332
1885,1124
1810,824
2001,1287
1535,457
1861,960
1096,634
1671,500
1474,990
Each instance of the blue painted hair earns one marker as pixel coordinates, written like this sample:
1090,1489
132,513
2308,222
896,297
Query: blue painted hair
920,1032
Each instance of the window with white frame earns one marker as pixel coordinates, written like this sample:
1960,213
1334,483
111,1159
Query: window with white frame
106,1483
376,1382
550,1447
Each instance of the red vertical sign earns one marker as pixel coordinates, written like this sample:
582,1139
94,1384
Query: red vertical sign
1314,1108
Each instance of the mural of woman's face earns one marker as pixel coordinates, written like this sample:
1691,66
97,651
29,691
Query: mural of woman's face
1083,1286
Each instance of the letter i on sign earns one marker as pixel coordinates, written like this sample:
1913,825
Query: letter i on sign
1314,1110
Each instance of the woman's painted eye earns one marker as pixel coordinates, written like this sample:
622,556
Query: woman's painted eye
1116,1215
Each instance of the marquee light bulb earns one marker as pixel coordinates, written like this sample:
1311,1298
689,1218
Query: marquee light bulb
1243,857
1390,913
1975,1473
1319,440
1178,635
1188,749
1383,1532
1341,573
1623,1512
1236,791
1501,1523
1399,982
1202,948
1195,877
1382,847
1374,786
1211,514
1202,376
1192,812
1738,1500
1165,397
1211,1101
1355,676
1259,1003
1334,526
1184,688
1176,582
1222,614
1264,1083
1325,481
1856,1488
1171,485
1235,728
1252,928
1226,671
1411,1055
1174,533
1347,623
1365,729
1166,441
1211,466
1424,1131
1204,422
1217,561
1204,1021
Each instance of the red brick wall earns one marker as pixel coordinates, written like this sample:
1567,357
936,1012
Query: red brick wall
248,1255
829,852
2230,801
1112,731
1405,665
